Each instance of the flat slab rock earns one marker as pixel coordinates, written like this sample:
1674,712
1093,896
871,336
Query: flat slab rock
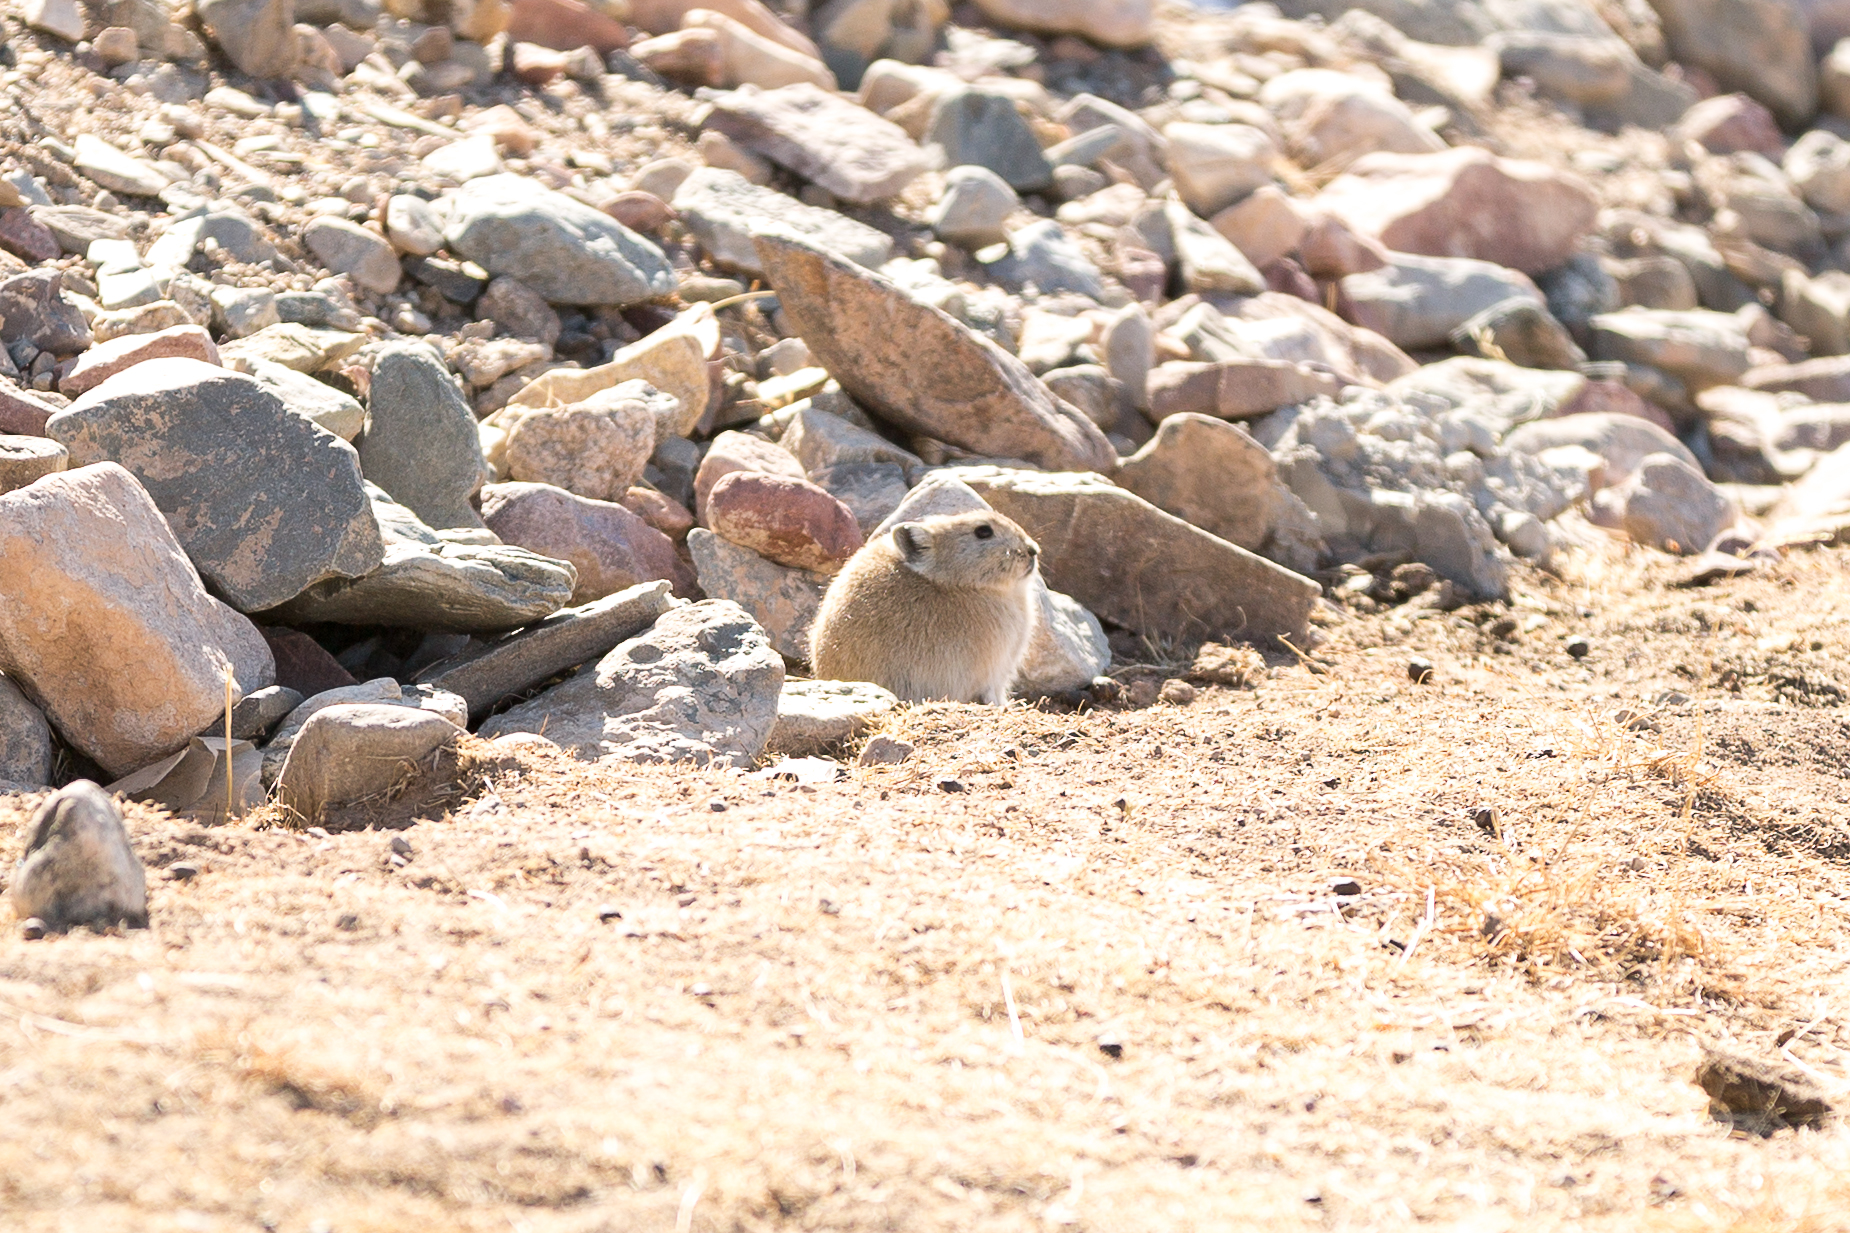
490,670
1136,566
921,369
265,503
815,716
106,626
562,248
442,588
725,211
826,139
700,685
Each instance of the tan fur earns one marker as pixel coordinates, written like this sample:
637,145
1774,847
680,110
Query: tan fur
931,611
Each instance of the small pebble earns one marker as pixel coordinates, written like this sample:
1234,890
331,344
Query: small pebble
401,846
1176,693
32,929
1487,819
1110,1045
1345,886
885,751
182,872
610,912
950,785
1419,670
1577,647
716,805
347,922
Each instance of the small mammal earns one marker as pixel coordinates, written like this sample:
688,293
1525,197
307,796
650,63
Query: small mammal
939,609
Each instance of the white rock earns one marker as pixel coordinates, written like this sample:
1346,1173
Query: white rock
355,751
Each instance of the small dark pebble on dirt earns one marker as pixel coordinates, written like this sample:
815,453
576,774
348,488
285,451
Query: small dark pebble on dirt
1578,647
950,785
1110,1045
1419,670
610,912
182,872
1487,819
1345,886
716,805
32,929
347,922
401,846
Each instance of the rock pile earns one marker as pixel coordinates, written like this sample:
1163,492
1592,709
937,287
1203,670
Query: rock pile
401,364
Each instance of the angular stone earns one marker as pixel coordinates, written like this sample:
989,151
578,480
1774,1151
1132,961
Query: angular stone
33,309
302,664
739,451
63,18
25,739
1114,23
116,171
26,459
870,490
1731,124
1209,473
1761,47
975,205
1234,389
673,359
1215,165
922,370
1826,379
1700,347
22,414
1416,302
490,670
1207,260
565,25
1265,226
611,548
565,250
520,310
79,867
1141,568
815,718
1046,261
725,211
257,713
596,448
442,588
348,248
782,600
105,625
789,521
27,238
1521,331
256,35
826,139
265,503
315,401
1332,118
746,57
1621,442
700,685
356,751
469,159
412,225
1464,202
1066,651
300,347
974,127
1669,504
105,360
420,443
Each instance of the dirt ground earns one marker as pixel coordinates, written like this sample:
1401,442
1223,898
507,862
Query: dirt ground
1101,970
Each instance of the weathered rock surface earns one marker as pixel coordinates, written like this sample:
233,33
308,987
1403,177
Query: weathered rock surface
596,448
355,751
25,738
79,867
106,626
725,211
448,588
1417,302
922,370
785,520
560,247
816,717
265,503
826,139
782,600
700,685
1066,651
105,360
25,459
611,548
1209,473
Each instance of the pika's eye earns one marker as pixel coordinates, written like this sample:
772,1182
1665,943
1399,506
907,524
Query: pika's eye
985,531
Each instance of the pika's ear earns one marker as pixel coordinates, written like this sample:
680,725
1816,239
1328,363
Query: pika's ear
912,540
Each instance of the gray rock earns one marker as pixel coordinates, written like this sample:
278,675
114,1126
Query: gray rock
1760,47
702,684
1451,536
265,503
1668,504
240,312
816,717
1701,347
257,713
25,738
110,168
871,490
1141,568
421,443
79,867
828,140
565,250
88,562
25,459
981,128
1207,260
1067,650
1214,165
256,35
725,211
1044,260
782,600
975,205
348,248
315,401
227,226
493,669
33,309
1520,331
1129,346
449,588
922,370
355,751
1416,302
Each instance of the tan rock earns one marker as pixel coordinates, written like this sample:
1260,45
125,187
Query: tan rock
105,360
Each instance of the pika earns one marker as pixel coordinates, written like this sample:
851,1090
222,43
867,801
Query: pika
936,609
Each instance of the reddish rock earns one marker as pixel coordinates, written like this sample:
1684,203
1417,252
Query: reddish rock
22,414
1235,389
785,520
1332,249
302,664
611,547
640,211
1465,202
662,16
663,513
26,237
1731,124
1618,399
738,451
1822,380
105,360
565,25
1288,277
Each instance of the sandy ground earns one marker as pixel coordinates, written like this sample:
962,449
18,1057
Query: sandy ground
1109,976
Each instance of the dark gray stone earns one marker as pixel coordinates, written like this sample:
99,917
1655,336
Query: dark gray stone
264,502
79,867
421,443
981,128
451,588
33,309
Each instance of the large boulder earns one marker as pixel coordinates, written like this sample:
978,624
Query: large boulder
106,626
264,502
921,369
1465,202
562,248
699,685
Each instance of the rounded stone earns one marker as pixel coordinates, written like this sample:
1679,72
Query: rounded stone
25,459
